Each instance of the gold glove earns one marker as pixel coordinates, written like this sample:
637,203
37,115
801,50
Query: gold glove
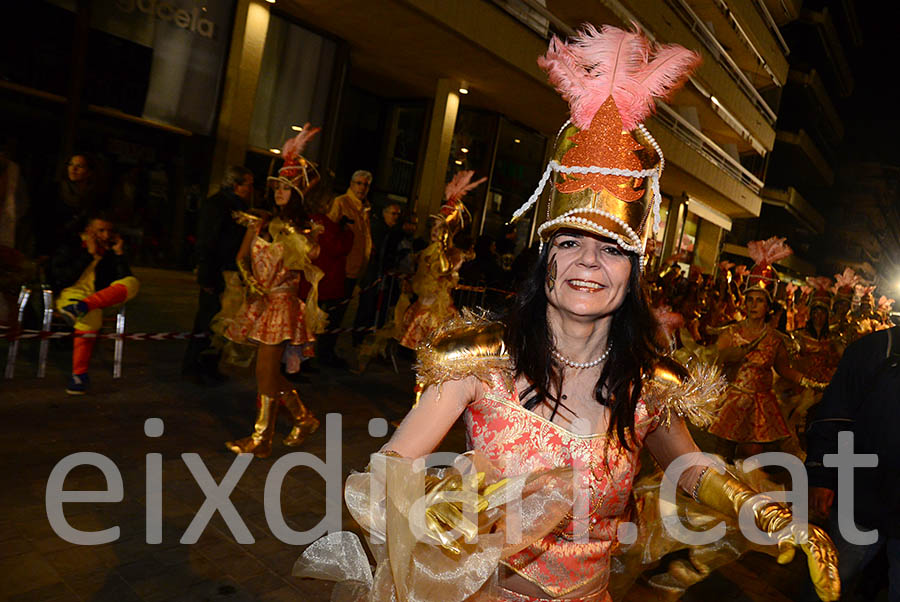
446,501
249,279
726,494
812,384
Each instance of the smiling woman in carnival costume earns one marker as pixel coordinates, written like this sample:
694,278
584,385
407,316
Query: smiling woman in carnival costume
559,398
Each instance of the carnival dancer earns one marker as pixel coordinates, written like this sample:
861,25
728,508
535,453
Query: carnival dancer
572,383
750,415
437,270
864,318
885,305
817,352
277,248
844,288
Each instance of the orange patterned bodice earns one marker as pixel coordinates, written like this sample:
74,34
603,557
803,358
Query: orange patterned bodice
750,410
520,441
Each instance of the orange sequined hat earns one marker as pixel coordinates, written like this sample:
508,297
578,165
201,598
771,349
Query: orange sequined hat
606,165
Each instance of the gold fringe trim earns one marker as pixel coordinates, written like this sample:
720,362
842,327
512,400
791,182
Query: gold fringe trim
694,396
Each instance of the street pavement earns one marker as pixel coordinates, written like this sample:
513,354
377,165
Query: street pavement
42,425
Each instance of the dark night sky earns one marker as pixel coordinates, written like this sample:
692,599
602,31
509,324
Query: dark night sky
871,113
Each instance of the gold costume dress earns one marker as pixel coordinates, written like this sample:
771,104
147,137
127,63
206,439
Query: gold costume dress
435,278
277,315
513,449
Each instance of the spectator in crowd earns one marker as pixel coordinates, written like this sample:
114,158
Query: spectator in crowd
353,208
406,247
335,243
218,241
91,273
78,195
386,234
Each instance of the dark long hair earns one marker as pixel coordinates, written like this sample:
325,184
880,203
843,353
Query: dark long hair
297,210
632,334
810,327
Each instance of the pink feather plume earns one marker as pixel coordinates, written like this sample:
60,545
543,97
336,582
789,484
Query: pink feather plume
806,290
885,304
846,279
819,283
741,269
623,64
460,185
294,146
767,252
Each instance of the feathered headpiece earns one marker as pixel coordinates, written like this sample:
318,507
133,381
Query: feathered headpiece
820,291
299,173
885,304
606,163
765,253
864,294
845,284
454,212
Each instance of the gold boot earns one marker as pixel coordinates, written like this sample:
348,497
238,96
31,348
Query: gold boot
304,421
260,442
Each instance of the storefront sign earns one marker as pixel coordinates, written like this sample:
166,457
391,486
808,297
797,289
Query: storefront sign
193,20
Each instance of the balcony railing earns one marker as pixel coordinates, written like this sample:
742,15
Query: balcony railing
701,31
772,25
711,151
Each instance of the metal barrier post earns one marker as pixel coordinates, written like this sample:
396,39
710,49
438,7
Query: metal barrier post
24,294
47,297
120,342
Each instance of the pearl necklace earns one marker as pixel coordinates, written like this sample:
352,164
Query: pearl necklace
581,365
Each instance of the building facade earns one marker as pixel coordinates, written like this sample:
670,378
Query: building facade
174,91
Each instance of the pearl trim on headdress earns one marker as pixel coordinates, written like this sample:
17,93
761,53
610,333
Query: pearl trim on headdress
652,173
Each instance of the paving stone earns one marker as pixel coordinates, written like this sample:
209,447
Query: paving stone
57,592
26,572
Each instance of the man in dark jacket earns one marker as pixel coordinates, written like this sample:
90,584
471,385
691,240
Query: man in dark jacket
90,273
387,232
864,399
218,241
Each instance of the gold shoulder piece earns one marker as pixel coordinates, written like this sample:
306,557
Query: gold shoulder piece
469,345
691,392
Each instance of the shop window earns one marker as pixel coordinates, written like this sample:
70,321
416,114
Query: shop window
294,83
473,149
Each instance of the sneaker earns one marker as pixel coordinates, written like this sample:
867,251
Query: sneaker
73,311
78,384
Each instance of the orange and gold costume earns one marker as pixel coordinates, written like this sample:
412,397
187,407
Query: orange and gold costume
750,411
435,278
